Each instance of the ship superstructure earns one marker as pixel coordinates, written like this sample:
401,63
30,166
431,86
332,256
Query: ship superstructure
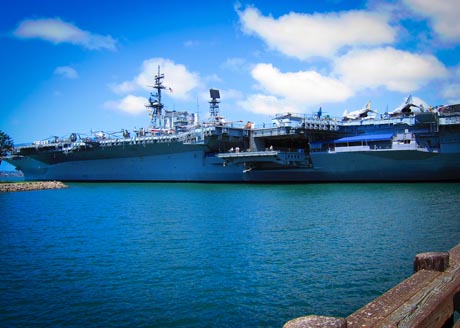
410,144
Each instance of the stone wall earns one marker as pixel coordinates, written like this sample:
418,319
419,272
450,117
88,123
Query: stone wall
26,186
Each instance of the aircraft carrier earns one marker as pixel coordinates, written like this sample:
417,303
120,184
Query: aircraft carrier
411,143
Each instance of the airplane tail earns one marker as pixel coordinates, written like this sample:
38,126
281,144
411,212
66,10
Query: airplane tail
368,106
409,100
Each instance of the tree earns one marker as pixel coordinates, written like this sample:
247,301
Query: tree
6,144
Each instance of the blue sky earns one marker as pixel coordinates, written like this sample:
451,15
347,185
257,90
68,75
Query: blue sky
77,66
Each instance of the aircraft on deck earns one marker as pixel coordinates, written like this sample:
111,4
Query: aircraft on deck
360,113
404,108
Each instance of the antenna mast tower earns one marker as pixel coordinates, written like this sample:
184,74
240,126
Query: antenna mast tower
155,106
214,104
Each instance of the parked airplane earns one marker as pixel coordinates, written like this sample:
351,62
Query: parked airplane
360,113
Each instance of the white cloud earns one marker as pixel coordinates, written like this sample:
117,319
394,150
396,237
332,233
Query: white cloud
124,87
306,87
443,14
129,104
452,93
292,91
66,71
395,69
213,78
229,94
451,90
57,31
177,77
303,36
269,105
235,64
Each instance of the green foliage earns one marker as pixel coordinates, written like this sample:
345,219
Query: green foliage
6,144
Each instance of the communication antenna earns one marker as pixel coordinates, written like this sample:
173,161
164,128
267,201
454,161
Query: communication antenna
155,105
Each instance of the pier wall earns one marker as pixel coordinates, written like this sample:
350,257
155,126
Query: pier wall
427,299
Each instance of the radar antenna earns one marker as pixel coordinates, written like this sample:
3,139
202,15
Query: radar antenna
214,104
155,107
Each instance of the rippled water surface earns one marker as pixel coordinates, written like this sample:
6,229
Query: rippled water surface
212,255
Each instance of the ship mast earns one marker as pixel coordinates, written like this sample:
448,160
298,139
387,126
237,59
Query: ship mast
155,106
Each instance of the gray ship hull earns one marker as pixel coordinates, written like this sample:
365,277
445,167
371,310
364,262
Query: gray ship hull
369,166
183,166
424,147
197,166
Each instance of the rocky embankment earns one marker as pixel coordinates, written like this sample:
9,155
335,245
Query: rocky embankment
26,186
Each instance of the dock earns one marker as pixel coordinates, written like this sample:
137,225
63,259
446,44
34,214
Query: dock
427,299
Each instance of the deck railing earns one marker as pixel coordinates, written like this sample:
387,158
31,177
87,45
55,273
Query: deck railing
427,299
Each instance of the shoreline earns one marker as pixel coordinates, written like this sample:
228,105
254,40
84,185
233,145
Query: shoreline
28,186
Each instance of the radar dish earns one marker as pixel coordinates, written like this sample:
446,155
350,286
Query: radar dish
214,93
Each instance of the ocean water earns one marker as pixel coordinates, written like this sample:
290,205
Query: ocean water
212,255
